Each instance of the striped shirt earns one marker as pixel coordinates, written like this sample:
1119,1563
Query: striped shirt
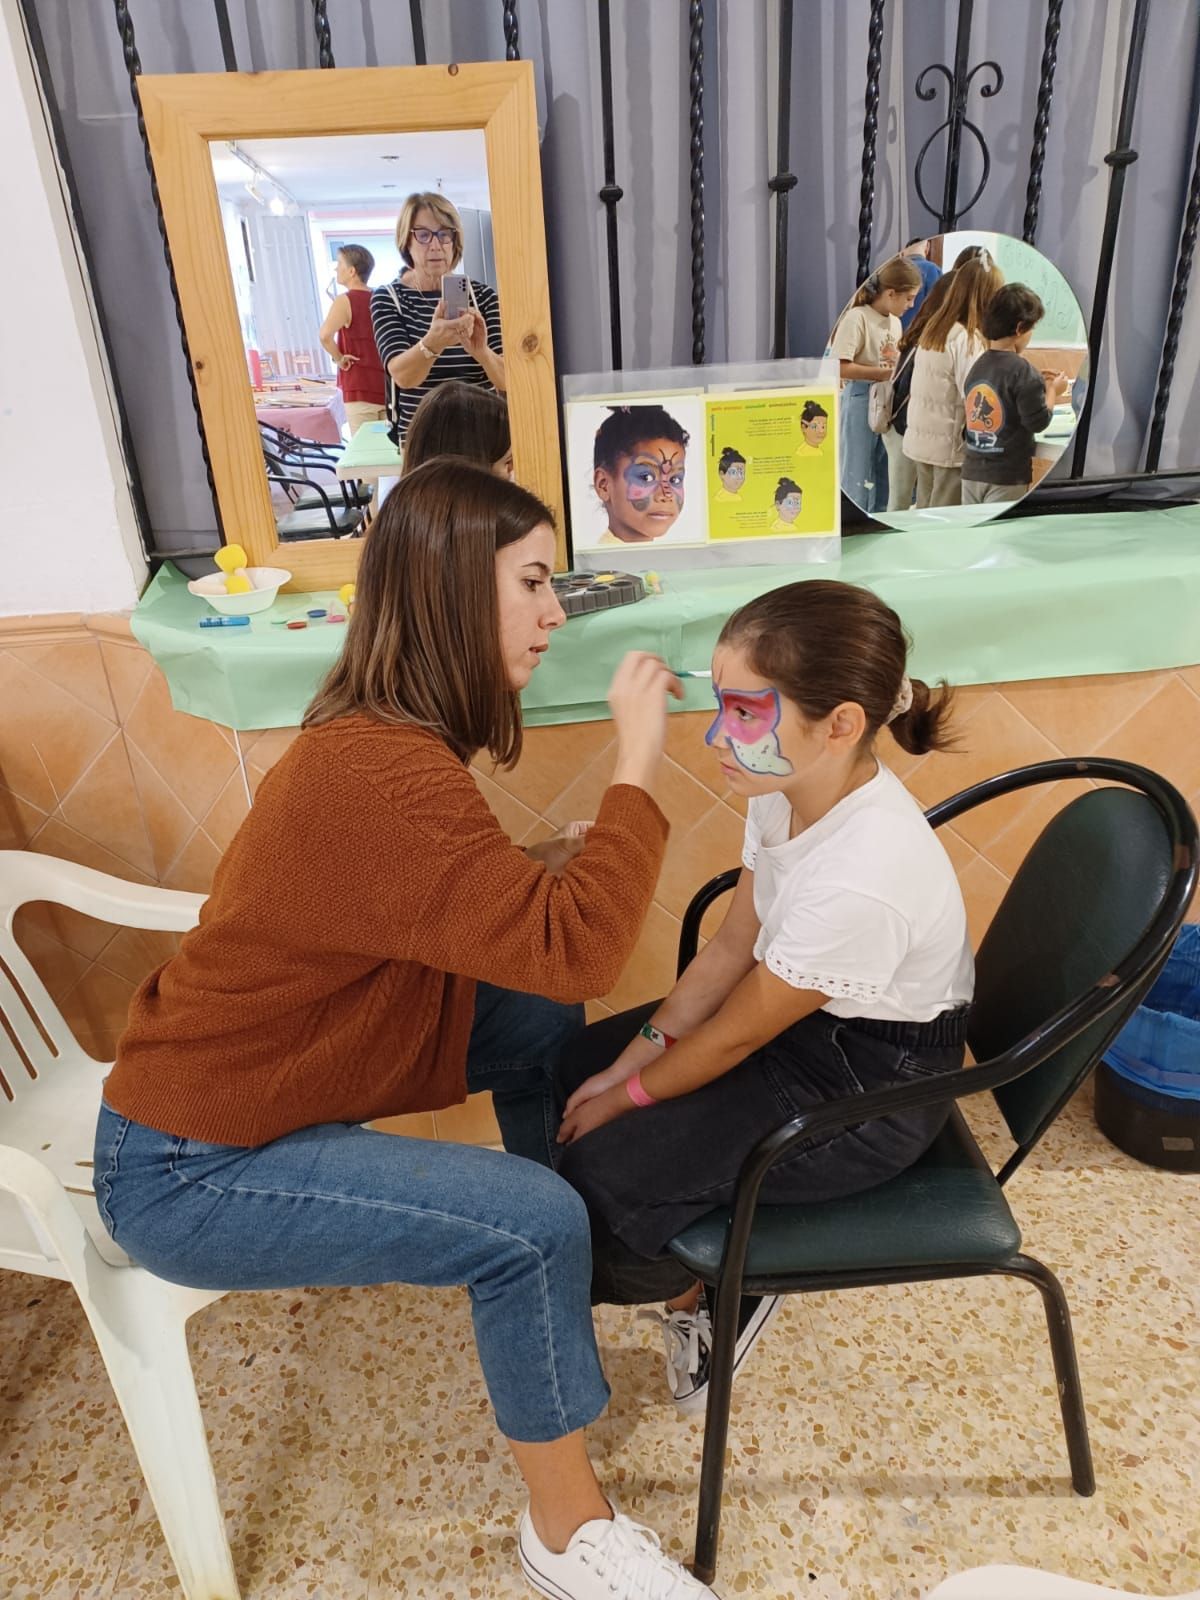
399,330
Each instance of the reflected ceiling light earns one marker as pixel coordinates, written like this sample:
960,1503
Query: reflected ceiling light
277,207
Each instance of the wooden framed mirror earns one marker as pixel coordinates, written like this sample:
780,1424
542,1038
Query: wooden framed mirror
191,115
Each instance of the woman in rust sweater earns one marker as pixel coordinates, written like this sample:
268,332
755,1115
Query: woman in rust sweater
375,944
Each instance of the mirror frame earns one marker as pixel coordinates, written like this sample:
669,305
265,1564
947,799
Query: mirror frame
183,113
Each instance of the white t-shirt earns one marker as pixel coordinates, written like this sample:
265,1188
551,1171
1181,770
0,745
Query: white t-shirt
863,906
862,334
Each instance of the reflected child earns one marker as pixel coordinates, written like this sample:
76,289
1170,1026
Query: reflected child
1007,400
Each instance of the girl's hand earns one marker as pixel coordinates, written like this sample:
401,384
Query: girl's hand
599,1083
561,848
606,1107
346,362
888,353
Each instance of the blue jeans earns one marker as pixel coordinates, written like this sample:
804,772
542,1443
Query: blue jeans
340,1204
864,463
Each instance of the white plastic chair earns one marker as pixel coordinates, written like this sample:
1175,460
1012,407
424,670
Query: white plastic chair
1026,1583
49,1098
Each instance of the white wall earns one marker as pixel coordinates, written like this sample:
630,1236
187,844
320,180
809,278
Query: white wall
68,536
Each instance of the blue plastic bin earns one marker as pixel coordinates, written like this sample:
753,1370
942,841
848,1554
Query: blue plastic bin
1148,1084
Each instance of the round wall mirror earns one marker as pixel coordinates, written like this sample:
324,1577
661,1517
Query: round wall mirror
964,366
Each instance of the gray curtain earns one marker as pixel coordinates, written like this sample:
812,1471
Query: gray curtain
650,70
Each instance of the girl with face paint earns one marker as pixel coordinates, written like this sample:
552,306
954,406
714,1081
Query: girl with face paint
639,459
731,469
842,965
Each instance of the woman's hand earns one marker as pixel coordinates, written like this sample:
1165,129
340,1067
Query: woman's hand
345,362
638,698
594,1113
475,340
445,331
561,848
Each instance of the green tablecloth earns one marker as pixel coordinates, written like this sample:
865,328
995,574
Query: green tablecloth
1032,597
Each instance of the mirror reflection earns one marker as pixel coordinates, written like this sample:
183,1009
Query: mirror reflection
364,278
964,369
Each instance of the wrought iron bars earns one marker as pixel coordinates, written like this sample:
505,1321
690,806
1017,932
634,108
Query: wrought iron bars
784,181
420,55
133,66
221,7
324,38
958,84
696,153
1179,293
1119,159
512,47
1041,120
866,194
611,193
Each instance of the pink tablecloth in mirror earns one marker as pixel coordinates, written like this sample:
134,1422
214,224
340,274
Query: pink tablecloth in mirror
321,423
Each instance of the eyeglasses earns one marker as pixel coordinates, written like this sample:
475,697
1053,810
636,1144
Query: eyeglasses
425,236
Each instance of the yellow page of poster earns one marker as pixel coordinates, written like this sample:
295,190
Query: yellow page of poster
771,464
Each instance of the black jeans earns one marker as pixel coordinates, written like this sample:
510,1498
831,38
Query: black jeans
648,1174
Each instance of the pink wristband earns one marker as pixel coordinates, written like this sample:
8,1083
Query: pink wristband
635,1091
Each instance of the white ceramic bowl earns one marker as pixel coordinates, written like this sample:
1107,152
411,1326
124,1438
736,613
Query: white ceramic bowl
266,581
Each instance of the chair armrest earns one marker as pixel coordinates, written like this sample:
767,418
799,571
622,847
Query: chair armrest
689,928
26,876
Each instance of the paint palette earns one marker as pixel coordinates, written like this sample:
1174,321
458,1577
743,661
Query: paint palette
582,592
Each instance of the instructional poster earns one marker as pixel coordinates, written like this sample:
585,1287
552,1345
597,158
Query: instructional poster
771,464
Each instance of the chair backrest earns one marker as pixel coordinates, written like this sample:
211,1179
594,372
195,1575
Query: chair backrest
1080,902
49,1085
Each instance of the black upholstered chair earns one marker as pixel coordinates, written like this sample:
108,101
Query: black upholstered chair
1083,930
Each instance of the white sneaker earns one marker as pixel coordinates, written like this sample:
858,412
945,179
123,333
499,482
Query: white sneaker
604,1560
687,1336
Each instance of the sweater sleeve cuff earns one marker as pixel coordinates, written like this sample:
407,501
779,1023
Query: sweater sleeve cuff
630,807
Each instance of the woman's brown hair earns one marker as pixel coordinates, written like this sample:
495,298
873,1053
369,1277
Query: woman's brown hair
458,419
823,643
971,289
423,645
898,273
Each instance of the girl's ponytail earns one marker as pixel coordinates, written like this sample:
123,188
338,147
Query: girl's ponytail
923,724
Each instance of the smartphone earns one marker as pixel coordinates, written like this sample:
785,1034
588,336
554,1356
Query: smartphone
456,294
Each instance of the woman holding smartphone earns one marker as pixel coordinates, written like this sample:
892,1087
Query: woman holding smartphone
423,338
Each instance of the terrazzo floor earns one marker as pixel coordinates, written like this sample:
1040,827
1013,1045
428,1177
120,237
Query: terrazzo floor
881,1438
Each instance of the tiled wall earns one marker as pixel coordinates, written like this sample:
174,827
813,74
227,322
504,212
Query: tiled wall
96,766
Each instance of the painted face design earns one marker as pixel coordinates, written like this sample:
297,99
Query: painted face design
734,476
814,432
789,508
646,493
749,720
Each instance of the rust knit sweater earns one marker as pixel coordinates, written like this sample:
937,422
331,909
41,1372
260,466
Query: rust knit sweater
331,977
